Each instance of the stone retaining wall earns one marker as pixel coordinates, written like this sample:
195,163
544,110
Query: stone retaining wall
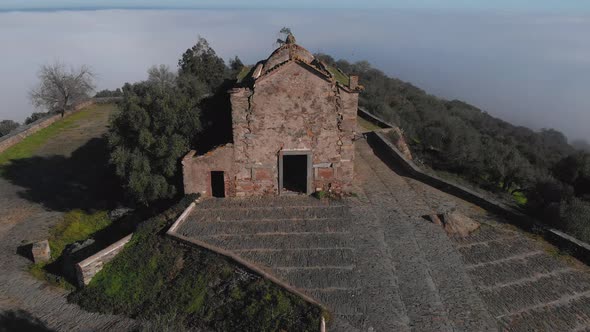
395,159
361,112
24,131
88,268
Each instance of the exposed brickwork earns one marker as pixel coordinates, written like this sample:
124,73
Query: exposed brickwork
294,105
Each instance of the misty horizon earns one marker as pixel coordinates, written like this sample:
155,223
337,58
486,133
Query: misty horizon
530,70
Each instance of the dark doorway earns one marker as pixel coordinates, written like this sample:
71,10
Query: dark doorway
295,173
217,184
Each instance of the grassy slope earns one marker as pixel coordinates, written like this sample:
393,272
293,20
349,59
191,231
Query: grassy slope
28,146
75,225
157,279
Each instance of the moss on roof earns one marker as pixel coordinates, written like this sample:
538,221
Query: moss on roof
242,74
338,75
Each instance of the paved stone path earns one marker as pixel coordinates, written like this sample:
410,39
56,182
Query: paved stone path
372,260
24,220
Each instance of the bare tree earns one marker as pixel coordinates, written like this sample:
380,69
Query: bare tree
60,87
161,76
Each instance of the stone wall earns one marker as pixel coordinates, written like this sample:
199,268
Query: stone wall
89,267
293,108
13,138
395,159
196,170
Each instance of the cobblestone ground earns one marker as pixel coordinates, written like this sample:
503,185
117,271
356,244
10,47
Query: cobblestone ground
25,219
372,259
524,285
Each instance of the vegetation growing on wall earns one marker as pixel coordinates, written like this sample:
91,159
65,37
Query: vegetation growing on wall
159,281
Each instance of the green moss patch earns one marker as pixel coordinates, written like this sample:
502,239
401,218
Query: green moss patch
75,226
339,76
160,281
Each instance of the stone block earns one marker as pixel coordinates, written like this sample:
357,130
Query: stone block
41,251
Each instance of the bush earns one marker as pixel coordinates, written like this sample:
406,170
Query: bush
575,218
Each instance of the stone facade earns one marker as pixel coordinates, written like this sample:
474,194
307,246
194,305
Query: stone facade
289,105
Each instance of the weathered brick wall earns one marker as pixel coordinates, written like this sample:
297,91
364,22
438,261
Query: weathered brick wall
196,170
12,139
293,108
89,267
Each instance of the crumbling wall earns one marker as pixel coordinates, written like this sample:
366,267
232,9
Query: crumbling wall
197,170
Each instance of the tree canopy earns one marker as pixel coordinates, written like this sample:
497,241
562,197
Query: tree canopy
148,137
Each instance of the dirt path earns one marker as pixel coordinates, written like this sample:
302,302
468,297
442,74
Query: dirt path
34,193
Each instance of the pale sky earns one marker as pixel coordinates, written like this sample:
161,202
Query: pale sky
529,69
503,5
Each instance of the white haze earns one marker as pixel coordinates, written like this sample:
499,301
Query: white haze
531,70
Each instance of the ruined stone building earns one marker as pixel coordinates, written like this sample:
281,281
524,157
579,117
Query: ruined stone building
293,123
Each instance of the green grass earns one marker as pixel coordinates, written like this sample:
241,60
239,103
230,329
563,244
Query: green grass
367,125
339,76
157,279
242,74
28,146
520,198
75,226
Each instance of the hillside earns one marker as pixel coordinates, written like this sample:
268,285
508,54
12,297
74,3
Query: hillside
539,170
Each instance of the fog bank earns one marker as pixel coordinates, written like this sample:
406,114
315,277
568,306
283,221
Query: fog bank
531,70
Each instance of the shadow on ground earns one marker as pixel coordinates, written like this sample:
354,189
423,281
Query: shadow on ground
20,320
83,181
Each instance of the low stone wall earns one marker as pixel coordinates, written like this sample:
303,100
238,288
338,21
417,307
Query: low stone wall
361,112
387,152
24,131
88,268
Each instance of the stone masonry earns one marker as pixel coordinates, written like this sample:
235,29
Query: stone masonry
289,104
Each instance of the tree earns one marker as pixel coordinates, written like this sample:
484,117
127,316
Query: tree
283,34
35,116
201,69
109,93
235,67
161,75
59,87
6,126
154,129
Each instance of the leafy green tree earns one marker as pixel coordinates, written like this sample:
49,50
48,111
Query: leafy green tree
575,218
235,66
6,126
149,136
109,93
35,116
200,69
161,75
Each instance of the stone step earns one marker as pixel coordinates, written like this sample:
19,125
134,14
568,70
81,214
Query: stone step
299,257
275,201
268,213
490,275
566,317
318,277
266,226
280,241
497,251
485,234
517,297
343,301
